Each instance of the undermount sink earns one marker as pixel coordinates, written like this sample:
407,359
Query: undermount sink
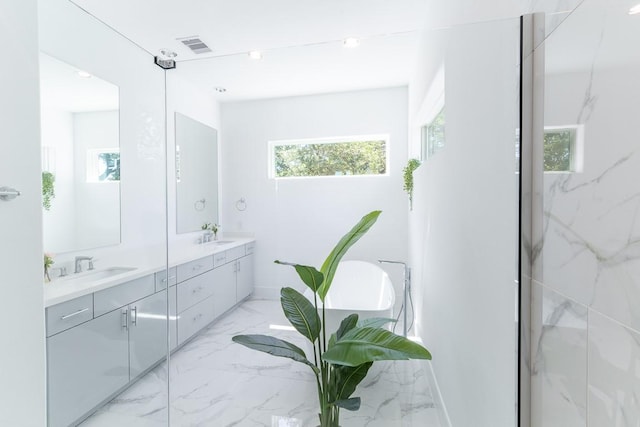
222,242
99,274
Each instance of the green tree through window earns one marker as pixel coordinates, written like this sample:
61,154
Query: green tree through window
558,144
331,159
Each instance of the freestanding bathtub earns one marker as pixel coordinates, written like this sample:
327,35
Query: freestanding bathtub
358,287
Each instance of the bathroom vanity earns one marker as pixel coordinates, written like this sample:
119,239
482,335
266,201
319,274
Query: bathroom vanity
103,334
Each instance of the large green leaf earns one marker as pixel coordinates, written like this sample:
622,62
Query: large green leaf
347,324
352,404
361,345
331,263
375,322
308,274
347,379
301,313
275,347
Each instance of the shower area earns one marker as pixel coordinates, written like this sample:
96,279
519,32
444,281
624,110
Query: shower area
522,238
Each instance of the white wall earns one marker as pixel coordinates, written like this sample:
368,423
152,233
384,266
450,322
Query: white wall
463,232
22,360
300,220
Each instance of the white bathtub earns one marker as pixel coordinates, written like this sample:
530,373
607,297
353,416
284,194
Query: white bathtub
358,287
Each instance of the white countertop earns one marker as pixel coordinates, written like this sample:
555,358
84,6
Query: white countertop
77,285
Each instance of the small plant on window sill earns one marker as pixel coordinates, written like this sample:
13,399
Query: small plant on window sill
412,165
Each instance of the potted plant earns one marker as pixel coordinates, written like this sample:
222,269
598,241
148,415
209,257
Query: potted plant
341,359
48,262
48,189
412,165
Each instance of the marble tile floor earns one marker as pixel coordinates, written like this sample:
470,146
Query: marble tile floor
215,382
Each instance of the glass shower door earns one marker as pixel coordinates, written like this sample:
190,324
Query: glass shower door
104,164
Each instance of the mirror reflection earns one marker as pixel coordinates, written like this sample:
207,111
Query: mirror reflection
196,174
80,158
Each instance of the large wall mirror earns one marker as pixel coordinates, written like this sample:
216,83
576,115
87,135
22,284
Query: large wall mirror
80,158
196,174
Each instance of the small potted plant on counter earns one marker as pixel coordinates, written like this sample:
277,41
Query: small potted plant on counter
341,359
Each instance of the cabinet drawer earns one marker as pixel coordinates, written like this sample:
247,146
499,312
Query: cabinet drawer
194,290
219,259
162,278
121,295
249,247
235,253
193,268
69,314
194,319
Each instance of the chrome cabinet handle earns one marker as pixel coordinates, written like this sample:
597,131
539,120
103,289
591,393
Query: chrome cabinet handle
197,317
75,313
124,319
134,316
196,267
196,290
239,266
168,278
7,193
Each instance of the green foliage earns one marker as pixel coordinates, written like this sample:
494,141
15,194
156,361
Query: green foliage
300,313
330,265
557,150
48,189
342,362
412,165
341,158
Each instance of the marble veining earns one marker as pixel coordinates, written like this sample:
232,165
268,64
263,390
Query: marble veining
614,376
214,382
559,375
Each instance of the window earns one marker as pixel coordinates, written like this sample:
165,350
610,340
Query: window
561,146
345,156
433,136
103,165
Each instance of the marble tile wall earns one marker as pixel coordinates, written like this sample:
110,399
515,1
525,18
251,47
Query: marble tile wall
586,302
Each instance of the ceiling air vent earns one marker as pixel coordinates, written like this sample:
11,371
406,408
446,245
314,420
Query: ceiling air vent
196,45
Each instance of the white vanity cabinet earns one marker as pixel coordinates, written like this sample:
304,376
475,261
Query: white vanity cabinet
224,291
97,344
85,365
88,362
244,277
147,333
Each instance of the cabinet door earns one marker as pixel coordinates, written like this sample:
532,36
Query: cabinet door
173,317
86,364
244,278
147,332
224,288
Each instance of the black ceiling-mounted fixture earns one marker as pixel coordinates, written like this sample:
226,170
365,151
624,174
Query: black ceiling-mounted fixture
166,59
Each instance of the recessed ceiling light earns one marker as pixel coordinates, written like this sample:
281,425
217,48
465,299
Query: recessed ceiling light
351,42
84,74
219,89
255,54
635,10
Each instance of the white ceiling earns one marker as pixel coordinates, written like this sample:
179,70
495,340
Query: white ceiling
62,88
301,41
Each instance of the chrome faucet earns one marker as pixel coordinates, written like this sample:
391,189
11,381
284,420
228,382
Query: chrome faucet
79,260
